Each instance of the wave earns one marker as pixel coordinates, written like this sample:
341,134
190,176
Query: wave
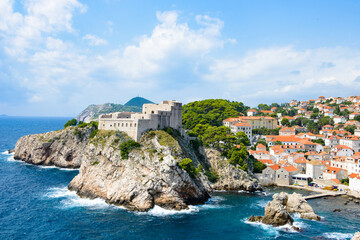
338,236
55,167
260,204
11,159
7,153
158,211
69,199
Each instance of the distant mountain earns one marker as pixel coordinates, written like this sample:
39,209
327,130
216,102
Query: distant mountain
137,101
3,115
93,111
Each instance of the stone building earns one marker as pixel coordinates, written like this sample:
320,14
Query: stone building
153,116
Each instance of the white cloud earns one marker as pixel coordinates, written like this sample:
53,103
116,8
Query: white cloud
22,32
170,41
94,40
269,73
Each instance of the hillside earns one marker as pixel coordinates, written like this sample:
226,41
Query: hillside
93,111
137,102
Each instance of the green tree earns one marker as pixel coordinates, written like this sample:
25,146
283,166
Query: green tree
71,122
220,138
350,128
211,111
319,141
277,143
242,138
285,122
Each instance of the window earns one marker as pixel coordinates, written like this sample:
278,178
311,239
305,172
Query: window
126,125
278,175
122,124
134,124
130,124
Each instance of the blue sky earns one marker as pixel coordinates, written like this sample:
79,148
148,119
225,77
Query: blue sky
59,56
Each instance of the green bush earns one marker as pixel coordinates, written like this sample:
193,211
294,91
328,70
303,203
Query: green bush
189,167
259,166
126,147
345,181
212,176
71,122
93,133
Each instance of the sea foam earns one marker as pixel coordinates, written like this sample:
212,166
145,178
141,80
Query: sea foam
338,236
69,199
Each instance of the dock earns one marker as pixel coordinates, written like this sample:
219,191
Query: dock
321,195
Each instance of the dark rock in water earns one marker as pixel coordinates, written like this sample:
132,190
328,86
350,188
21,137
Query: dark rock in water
346,203
255,219
295,228
356,201
351,199
277,212
337,210
11,151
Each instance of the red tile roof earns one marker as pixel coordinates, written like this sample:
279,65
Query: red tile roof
290,168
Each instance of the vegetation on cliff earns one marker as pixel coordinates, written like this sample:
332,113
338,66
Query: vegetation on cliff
211,111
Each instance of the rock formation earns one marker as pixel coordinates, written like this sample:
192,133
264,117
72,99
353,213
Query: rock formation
230,177
356,236
297,204
277,212
149,176
137,177
62,148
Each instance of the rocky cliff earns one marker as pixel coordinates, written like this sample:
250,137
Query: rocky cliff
62,148
162,169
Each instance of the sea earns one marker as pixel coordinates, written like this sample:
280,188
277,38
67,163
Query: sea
36,204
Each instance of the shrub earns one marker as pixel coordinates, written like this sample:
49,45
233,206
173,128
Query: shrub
189,167
212,175
126,147
259,166
345,181
93,133
71,122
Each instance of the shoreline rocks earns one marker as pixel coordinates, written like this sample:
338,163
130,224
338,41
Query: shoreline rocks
277,211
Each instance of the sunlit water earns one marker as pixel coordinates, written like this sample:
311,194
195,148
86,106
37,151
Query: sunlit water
35,204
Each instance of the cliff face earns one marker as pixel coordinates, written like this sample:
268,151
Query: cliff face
165,170
61,148
149,176
230,177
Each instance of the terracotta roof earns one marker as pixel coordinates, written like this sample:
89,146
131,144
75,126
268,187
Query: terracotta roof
332,170
266,161
241,124
354,175
315,162
260,146
300,160
291,138
290,168
275,167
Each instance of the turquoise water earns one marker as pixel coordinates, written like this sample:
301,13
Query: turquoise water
35,204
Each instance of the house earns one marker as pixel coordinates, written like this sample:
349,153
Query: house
334,173
267,176
353,115
260,147
339,119
252,112
332,141
287,131
357,132
342,151
354,182
242,127
284,175
261,154
300,164
351,141
315,169
267,162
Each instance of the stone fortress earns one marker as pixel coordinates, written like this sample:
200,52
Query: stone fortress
153,116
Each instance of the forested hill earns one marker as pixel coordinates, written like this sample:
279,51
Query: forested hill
211,111
137,102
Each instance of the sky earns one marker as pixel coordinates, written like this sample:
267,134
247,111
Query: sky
59,56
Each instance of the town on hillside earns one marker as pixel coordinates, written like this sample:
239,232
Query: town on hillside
314,142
